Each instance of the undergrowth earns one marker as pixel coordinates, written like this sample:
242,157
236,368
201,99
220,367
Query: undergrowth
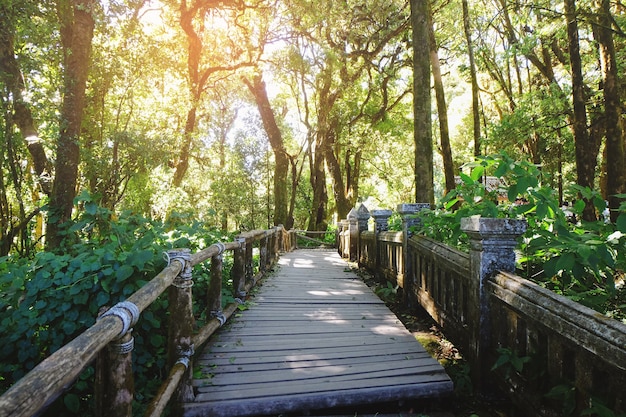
584,261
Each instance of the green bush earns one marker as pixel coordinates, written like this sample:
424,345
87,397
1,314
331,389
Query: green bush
584,261
50,299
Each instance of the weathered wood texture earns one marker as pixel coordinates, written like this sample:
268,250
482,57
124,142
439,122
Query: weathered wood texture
53,375
314,337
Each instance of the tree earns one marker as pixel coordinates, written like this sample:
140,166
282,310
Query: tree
586,150
422,130
77,26
473,77
442,108
11,76
614,149
203,64
281,157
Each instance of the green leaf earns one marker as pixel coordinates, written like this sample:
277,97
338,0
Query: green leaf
72,402
156,340
102,298
466,179
621,223
477,172
549,267
566,262
584,252
91,208
124,272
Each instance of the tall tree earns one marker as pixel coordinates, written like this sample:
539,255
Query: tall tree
585,148
442,108
11,76
422,128
281,157
467,30
615,164
76,28
203,63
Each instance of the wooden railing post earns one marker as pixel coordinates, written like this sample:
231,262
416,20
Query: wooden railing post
239,269
492,249
214,293
263,254
276,242
249,264
180,330
115,386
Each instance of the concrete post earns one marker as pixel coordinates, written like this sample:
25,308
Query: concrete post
408,212
492,249
353,235
381,220
381,224
363,216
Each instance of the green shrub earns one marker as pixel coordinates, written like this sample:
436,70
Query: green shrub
50,299
584,261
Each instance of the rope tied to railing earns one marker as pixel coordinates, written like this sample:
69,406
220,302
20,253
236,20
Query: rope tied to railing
185,354
219,315
125,311
183,280
123,348
220,248
241,297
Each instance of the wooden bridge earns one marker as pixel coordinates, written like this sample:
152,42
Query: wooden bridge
315,337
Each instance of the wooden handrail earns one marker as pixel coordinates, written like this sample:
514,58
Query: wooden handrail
44,383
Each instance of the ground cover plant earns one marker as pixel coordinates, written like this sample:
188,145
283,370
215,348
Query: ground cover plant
582,260
50,298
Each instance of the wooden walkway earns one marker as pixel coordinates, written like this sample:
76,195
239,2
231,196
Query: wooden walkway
314,337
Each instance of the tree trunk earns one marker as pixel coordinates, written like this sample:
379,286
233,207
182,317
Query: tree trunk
317,218
183,159
615,167
585,154
77,25
442,109
422,130
343,205
11,77
281,158
472,68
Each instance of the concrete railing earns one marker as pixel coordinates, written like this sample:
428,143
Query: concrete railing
490,314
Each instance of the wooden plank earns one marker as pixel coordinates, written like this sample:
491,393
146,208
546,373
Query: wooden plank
314,336
364,370
227,365
308,401
407,348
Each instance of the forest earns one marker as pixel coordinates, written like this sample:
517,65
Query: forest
244,114
132,125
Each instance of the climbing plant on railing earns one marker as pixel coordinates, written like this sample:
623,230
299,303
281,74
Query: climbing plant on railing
48,300
581,260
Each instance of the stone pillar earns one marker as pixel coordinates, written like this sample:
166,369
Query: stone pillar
381,220
339,238
408,213
353,235
363,216
492,249
345,238
381,224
